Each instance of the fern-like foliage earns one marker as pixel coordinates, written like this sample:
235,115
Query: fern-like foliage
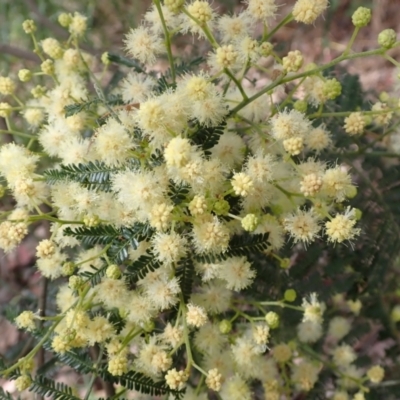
207,138
239,245
94,277
185,273
43,386
119,239
117,59
138,269
75,108
137,381
79,361
93,175
184,67
178,192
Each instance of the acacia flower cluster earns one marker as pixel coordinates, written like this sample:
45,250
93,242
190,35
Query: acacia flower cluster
162,192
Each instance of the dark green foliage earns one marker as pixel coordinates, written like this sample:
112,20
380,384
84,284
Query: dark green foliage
141,383
118,239
185,273
185,67
157,158
43,386
239,245
94,277
79,361
207,138
93,175
163,85
178,192
72,109
144,264
115,58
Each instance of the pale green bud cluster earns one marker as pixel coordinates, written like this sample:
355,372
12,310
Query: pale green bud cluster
387,38
361,17
24,75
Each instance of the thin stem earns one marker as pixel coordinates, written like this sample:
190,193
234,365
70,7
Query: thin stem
281,304
237,83
203,27
282,79
167,39
351,41
16,133
186,333
94,375
285,21
392,60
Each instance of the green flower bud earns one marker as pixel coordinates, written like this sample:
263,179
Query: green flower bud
91,220
293,61
68,268
47,67
38,91
75,282
29,26
225,326
174,5
272,319
387,38
290,295
64,19
23,382
351,192
332,88
250,222
221,207
266,49
361,17
26,365
284,263
104,58
395,314
113,272
24,75
384,97
148,326
5,111
301,106
358,214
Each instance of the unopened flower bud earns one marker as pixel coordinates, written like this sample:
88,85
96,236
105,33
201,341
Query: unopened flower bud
174,5
68,268
221,207
332,89
272,319
250,222
266,49
47,67
23,382
64,19
24,75
290,295
38,91
387,38
225,326
75,282
301,106
361,17
284,263
29,26
104,58
113,272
